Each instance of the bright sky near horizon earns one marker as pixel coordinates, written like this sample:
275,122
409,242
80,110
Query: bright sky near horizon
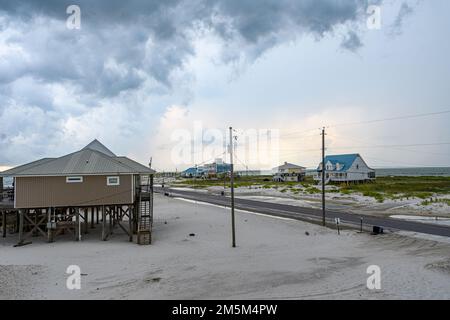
139,72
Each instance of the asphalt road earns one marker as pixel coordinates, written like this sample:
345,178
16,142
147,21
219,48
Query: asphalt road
299,213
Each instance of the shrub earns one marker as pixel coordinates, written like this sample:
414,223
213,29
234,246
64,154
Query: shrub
312,190
376,195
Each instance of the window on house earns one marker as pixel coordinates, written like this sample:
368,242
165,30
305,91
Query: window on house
357,167
74,179
112,181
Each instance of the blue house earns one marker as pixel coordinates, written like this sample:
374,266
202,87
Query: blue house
345,168
195,172
207,170
189,173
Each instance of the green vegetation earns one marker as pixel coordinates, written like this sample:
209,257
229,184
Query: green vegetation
431,200
382,188
261,181
312,190
401,187
377,195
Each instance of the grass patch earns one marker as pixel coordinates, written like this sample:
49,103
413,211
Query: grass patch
376,195
431,201
402,187
312,190
396,188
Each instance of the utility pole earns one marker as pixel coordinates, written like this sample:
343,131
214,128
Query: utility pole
323,176
233,229
194,177
150,166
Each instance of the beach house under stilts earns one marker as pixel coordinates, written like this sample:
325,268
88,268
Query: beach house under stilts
73,193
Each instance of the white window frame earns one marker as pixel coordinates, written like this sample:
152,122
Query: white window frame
74,179
108,183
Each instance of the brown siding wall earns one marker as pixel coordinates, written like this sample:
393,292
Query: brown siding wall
44,192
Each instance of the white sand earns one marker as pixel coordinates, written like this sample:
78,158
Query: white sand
274,259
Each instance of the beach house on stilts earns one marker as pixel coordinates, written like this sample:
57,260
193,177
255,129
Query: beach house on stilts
345,168
75,192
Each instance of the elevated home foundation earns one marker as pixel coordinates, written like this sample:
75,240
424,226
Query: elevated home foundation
135,220
78,192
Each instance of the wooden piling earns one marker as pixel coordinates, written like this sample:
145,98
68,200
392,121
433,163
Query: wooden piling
77,224
111,219
4,223
130,222
35,232
103,224
49,225
86,219
17,226
92,218
21,213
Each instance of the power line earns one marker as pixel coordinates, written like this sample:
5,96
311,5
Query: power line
391,119
211,159
295,133
420,115
395,146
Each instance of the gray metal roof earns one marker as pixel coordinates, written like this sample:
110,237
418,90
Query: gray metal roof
132,164
87,161
13,171
98,146
288,165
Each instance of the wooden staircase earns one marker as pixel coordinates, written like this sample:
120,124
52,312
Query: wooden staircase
145,215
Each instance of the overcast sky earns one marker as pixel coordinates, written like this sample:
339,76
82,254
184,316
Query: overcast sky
139,72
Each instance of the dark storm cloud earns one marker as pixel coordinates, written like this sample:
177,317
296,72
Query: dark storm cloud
154,38
54,80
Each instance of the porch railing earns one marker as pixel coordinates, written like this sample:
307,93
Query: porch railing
7,195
